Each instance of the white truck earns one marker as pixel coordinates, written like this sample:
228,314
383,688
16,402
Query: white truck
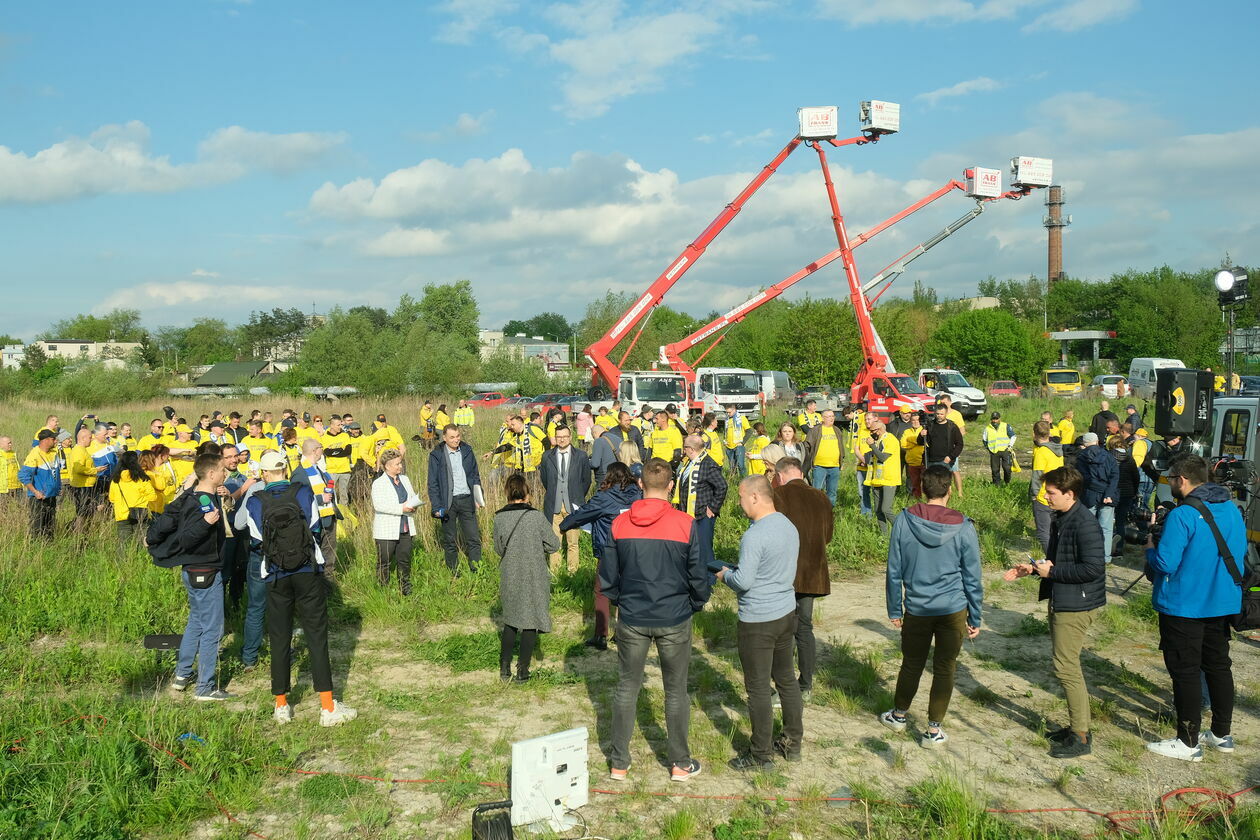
718,387
1142,375
969,401
655,388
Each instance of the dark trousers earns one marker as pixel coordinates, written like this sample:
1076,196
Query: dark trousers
85,501
328,544
603,607
235,553
918,632
43,516
705,526
915,476
1124,509
1192,646
1043,516
1000,467
882,502
806,649
673,649
398,554
765,653
306,595
462,520
507,643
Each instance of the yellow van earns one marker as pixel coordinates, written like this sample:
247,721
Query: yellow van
1060,382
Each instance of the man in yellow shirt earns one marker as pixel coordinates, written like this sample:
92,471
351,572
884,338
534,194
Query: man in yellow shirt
255,444
83,476
666,442
912,452
736,431
999,439
883,474
605,418
464,416
823,448
713,440
760,440
1066,429
125,439
305,430
337,452
1047,456
153,438
9,484
183,452
809,418
390,435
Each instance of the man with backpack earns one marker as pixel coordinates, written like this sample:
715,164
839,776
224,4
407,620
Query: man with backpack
283,523
1197,570
197,538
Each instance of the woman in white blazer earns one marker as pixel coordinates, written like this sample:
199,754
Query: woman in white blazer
393,526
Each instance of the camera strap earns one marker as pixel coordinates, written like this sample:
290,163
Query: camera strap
1231,565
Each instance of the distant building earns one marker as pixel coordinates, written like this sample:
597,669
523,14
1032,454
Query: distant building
973,303
522,346
112,353
227,374
13,356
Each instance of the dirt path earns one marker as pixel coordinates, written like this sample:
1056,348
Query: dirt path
417,720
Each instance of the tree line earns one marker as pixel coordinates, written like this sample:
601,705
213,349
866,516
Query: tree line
430,344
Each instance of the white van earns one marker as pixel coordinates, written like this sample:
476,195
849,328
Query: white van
776,385
1142,375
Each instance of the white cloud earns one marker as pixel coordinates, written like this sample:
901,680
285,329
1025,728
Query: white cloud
117,159
177,301
730,137
201,272
470,17
465,125
1082,14
982,84
865,12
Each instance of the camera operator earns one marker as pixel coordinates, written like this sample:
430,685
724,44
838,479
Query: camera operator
1196,596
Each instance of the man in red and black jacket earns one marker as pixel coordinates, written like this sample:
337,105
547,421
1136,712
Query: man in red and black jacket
653,572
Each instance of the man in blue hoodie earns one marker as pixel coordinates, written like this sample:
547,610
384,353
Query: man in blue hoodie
1196,595
934,593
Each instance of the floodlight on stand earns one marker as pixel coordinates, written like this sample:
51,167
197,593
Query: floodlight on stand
1231,286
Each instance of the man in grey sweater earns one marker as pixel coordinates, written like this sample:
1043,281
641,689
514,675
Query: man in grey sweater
763,585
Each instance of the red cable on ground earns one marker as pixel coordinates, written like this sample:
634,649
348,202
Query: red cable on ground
1195,812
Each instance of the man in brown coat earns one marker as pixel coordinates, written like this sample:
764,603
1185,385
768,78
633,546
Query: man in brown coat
810,511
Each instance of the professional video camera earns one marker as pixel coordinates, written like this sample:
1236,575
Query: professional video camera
1235,474
1141,524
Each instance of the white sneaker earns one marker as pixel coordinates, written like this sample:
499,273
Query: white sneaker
1174,748
283,714
896,724
930,739
340,714
1224,743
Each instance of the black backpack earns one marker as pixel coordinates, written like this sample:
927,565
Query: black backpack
162,536
287,541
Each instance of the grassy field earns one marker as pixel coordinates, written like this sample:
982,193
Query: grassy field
94,746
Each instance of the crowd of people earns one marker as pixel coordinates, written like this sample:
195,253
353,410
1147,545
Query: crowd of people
249,510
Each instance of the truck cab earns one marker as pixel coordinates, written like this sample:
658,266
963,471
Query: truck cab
885,394
716,388
1061,382
1231,448
968,400
656,388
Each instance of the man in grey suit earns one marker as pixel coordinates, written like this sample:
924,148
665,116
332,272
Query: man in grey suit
566,478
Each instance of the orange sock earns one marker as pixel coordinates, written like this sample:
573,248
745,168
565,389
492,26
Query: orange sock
282,700
326,701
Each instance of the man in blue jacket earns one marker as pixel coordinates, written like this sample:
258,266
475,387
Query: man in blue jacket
455,495
934,593
1101,475
1196,595
41,476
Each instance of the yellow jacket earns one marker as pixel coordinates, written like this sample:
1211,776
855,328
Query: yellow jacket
756,466
912,448
716,451
888,472
82,469
9,472
465,416
336,464
1066,431
126,494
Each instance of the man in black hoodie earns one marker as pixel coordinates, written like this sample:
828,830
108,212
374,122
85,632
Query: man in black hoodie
1074,580
943,439
201,533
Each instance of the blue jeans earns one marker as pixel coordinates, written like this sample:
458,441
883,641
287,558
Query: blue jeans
827,479
1106,516
735,459
1145,488
202,634
705,526
256,611
864,493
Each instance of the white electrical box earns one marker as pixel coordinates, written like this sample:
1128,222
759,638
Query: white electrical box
550,778
984,183
820,123
1031,172
880,117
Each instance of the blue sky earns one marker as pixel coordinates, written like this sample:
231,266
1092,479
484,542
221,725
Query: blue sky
208,158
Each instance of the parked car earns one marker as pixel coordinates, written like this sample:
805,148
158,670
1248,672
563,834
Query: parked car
826,397
490,399
1250,386
515,404
543,402
1005,388
572,404
1110,385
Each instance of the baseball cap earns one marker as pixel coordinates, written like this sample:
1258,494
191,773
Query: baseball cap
45,434
1132,406
62,435
306,415
997,415
380,418
354,424
1089,438
182,429
216,424
272,460
288,423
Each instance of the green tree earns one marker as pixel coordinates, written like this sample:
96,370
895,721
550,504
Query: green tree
1025,299
117,325
753,342
451,310
207,341
991,344
376,315
905,329
549,324
338,353
438,363
276,332
822,346
1167,314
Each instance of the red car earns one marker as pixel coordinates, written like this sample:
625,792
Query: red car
491,399
1004,388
